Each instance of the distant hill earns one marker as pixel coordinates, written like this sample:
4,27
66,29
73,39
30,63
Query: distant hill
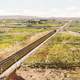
16,17
37,18
22,17
28,17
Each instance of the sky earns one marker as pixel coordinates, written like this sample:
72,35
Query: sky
43,8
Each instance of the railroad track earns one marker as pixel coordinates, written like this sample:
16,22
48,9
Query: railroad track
5,64
11,60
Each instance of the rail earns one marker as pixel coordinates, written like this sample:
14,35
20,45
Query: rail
5,64
11,60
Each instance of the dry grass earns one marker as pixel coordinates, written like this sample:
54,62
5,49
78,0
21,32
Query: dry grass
4,53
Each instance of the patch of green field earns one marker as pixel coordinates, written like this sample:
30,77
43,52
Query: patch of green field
47,24
26,30
75,26
16,35
7,40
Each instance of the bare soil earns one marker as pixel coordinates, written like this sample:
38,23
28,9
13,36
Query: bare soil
48,74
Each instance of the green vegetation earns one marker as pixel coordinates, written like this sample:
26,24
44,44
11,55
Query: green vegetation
16,35
13,31
57,53
75,26
30,23
60,51
48,23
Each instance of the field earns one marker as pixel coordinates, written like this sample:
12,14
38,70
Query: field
61,51
75,26
15,31
57,59
49,23
15,34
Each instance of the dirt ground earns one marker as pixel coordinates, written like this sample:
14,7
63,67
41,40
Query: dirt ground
48,74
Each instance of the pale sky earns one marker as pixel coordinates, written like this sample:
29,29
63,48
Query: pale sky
45,8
